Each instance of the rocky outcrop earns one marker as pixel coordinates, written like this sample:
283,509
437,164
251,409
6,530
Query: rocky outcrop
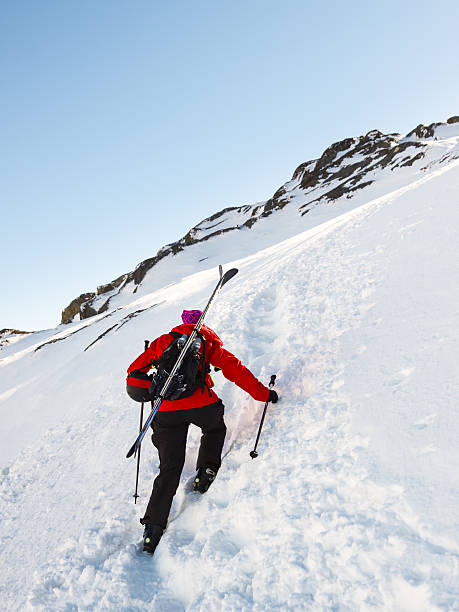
7,334
423,131
454,119
346,166
79,306
14,332
111,286
195,235
344,158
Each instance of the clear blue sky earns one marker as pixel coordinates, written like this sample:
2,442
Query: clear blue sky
123,124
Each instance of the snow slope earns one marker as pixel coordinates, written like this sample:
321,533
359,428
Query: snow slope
353,502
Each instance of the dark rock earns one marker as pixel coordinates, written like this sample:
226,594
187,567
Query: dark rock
454,119
329,154
10,332
221,213
410,161
76,306
302,168
104,306
424,131
111,286
83,305
342,190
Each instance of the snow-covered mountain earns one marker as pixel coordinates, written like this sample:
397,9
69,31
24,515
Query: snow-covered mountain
353,502
343,170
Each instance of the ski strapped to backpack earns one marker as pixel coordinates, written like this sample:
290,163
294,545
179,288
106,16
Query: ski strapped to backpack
192,372
191,375
161,395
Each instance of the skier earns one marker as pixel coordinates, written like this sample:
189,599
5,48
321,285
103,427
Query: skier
204,409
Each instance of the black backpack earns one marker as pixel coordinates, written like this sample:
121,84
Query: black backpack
191,374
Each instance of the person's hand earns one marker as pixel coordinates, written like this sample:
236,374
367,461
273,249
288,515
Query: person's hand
273,397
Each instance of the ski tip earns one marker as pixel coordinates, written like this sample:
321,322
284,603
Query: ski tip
229,275
131,451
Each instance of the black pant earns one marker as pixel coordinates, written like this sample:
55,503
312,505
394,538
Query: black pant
170,429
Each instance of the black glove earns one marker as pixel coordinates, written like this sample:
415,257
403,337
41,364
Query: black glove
273,397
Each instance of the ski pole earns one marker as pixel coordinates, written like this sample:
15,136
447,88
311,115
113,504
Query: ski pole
254,453
147,342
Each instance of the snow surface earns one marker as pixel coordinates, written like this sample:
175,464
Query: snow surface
353,502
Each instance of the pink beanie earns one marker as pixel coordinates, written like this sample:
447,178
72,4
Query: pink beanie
191,316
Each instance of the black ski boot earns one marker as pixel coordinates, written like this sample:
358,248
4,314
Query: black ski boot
151,537
204,478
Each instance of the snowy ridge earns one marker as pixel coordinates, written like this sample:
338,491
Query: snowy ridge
353,502
353,169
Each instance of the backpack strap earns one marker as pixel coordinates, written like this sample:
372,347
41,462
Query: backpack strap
144,369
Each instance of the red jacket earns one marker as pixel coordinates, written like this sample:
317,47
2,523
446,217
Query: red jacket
217,356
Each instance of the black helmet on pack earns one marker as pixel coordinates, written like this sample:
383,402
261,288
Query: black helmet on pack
138,385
